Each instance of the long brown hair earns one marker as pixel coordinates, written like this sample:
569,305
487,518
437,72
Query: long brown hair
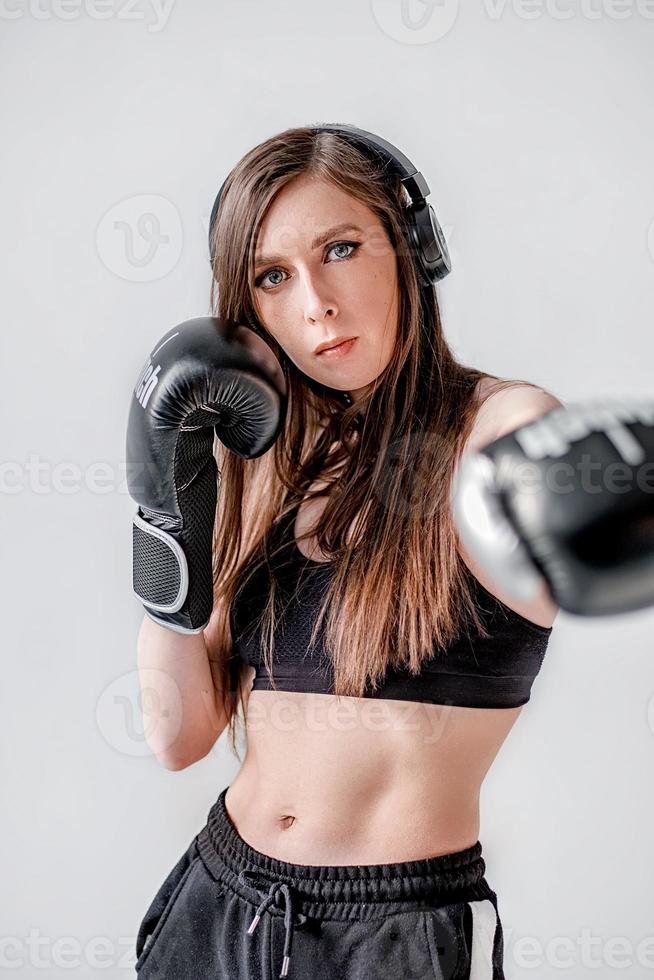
399,587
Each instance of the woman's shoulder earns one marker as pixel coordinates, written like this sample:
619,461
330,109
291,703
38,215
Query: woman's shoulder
503,409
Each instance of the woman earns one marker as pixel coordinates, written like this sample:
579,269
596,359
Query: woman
388,669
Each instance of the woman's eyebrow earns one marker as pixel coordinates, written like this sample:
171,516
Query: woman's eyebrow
316,243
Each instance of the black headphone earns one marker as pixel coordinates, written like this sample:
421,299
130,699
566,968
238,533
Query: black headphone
425,232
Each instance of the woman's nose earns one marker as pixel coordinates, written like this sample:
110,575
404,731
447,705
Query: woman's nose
317,304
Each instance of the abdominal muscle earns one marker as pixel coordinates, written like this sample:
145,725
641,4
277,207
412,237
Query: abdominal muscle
333,780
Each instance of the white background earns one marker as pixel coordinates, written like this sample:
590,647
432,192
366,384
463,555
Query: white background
532,122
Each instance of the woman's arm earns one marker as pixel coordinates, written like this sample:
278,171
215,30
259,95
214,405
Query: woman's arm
182,710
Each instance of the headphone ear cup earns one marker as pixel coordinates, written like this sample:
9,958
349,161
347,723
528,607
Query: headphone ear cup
413,242
429,243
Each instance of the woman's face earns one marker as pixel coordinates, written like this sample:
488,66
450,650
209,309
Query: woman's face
326,269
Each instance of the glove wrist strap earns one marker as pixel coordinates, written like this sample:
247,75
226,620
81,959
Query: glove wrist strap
159,569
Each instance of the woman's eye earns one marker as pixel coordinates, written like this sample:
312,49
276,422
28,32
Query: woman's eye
272,272
343,245
339,258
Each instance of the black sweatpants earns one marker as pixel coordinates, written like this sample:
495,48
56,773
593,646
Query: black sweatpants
229,912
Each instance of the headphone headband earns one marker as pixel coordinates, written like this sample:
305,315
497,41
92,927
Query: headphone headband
409,174
427,236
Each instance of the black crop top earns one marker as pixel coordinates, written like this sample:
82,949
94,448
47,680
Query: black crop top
497,672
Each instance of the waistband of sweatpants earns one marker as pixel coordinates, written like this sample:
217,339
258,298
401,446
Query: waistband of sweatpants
333,890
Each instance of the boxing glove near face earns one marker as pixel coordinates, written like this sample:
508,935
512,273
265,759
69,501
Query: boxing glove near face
204,376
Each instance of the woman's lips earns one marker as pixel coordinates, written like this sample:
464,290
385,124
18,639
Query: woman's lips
339,351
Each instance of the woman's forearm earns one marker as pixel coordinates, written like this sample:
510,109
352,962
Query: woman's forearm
182,714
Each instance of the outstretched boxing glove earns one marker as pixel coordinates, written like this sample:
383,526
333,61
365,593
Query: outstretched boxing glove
568,500
205,375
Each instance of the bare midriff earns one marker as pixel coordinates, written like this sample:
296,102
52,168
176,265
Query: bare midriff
339,780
